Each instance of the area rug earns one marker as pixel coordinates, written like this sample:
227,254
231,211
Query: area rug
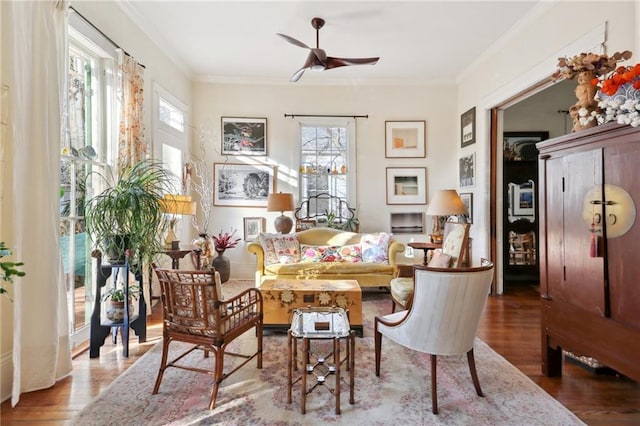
401,395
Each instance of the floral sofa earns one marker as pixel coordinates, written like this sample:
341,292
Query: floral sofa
326,253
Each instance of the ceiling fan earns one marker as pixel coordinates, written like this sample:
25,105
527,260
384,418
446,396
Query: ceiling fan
318,59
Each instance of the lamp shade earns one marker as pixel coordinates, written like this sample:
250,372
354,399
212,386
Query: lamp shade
280,202
178,204
446,202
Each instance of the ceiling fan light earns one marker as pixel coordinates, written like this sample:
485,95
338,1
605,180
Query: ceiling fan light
317,67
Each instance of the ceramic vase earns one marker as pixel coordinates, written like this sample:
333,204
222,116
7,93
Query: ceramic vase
223,266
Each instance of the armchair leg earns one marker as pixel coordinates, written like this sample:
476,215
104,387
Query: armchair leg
474,373
434,384
378,346
218,376
259,331
163,365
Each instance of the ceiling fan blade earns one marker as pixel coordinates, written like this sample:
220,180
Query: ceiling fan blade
295,77
293,41
332,62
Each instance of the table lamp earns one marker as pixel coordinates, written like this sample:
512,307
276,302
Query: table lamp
446,202
176,205
281,202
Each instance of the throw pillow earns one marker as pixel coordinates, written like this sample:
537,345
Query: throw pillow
312,254
440,260
351,253
375,247
276,246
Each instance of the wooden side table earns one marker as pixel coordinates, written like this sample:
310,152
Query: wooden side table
315,323
426,247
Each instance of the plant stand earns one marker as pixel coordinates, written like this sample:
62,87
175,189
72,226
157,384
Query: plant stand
101,326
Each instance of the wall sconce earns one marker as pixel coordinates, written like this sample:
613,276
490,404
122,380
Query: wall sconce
281,202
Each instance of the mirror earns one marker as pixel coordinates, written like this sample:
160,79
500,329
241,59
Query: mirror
521,201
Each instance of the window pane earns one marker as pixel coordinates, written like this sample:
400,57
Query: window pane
170,115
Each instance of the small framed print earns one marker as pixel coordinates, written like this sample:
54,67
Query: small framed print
244,136
407,223
467,170
253,226
467,200
406,185
242,185
405,139
468,128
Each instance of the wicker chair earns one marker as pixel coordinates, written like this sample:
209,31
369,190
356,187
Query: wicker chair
456,237
195,312
443,319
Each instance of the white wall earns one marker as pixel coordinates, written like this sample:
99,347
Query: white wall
527,57
436,105
112,21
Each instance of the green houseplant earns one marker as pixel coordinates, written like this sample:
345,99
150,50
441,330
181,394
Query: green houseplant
115,297
8,269
128,214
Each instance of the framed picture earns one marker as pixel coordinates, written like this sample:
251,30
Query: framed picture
468,128
522,199
243,185
467,170
253,226
405,139
244,136
407,223
467,200
406,185
521,146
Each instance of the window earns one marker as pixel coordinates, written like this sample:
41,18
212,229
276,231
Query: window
86,150
327,166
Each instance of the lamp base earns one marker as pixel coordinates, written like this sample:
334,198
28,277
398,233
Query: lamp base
283,224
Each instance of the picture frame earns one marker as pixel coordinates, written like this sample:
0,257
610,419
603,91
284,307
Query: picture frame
468,128
467,170
407,223
406,185
244,136
467,200
521,146
405,139
242,185
253,226
522,199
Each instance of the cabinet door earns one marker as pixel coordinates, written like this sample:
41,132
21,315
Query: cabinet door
621,164
583,284
552,221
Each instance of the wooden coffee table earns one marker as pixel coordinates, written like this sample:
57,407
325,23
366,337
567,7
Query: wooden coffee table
281,297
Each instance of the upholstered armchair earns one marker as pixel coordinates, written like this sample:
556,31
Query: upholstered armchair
454,254
195,312
443,318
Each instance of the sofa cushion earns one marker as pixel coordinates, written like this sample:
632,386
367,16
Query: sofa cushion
277,246
375,247
350,253
440,260
320,268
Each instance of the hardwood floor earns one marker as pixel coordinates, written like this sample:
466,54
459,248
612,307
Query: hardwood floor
510,325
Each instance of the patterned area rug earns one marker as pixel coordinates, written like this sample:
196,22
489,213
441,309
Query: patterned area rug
401,395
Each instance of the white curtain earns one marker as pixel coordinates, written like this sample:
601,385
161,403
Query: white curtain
37,52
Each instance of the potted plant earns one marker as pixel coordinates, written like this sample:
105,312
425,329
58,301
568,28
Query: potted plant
128,214
116,297
8,269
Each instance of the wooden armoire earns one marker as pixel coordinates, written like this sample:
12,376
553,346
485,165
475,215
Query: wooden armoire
589,193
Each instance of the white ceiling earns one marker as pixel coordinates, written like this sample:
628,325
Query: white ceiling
417,41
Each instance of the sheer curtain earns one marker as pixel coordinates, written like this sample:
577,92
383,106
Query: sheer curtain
37,51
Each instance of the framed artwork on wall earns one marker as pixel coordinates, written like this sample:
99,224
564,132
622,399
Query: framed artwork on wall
253,226
405,139
244,136
468,128
467,200
467,170
242,185
406,185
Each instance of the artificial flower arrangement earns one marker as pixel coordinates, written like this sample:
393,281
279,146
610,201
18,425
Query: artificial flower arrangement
599,64
224,241
619,96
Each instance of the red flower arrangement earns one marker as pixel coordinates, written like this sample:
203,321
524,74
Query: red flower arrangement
622,75
221,242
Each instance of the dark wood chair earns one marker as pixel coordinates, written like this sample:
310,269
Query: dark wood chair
195,312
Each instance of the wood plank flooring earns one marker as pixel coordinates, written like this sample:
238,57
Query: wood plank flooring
510,325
